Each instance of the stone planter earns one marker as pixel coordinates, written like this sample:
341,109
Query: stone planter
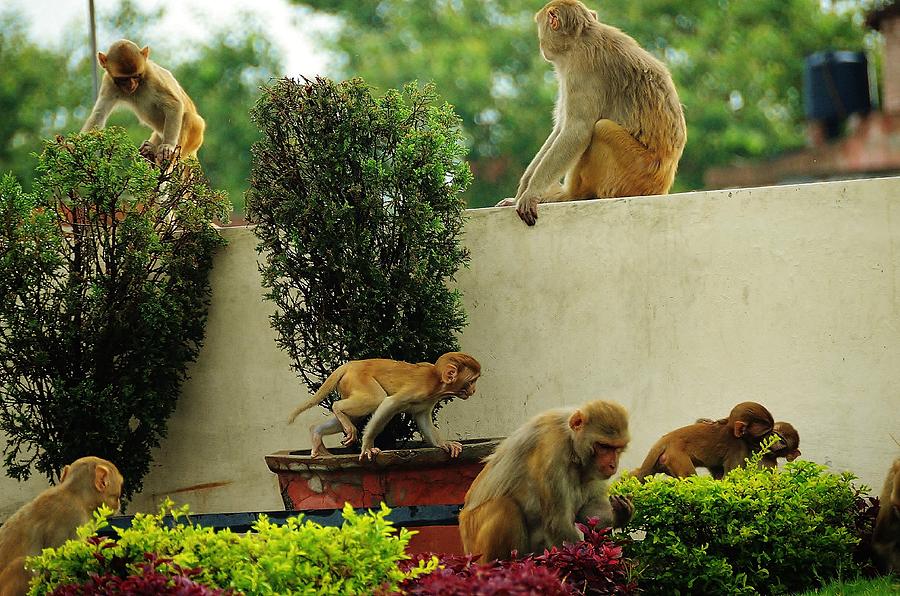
400,478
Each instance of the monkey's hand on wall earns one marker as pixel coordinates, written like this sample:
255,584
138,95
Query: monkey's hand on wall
526,207
452,447
623,510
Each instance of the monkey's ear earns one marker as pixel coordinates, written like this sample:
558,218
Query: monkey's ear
576,420
101,478
101,57
740,428
594,14
449,374
145,51
553,19
65,473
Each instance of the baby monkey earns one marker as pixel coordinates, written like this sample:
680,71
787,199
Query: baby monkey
154,95
385,388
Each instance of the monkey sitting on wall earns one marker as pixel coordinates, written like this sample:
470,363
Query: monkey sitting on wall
719,446
385,388
547,475
53,516
618,128
154,95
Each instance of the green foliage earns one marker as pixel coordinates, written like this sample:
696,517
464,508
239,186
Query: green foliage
104,291
47,89
358,213
755,531
736,63
299,557
864,587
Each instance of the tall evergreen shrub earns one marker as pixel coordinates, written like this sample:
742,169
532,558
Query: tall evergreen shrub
357,206
103,298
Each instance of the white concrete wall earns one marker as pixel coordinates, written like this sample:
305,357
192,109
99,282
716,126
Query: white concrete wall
678,307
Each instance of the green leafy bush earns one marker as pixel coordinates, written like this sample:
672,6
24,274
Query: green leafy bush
298,557
103,300
755,531
358,211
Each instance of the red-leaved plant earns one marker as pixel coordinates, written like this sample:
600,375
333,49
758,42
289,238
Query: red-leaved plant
593,566
173,580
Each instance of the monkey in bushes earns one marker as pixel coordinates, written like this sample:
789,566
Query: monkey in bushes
385,388
550,473
720,446
53,516
618,128
153,94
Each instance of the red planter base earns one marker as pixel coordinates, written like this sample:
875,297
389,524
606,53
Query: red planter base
405,477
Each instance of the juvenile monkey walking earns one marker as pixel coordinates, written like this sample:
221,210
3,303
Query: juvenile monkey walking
153,94
618,128
385,388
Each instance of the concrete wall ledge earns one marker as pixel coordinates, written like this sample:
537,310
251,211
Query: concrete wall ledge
676,306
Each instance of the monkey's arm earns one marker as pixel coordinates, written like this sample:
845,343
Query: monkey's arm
432,434
103,106
390,406
575,132
612,511
174,110
529,171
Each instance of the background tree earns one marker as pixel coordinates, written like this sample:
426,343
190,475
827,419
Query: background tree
47,89
737,65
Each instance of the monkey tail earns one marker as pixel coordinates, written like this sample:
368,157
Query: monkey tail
326,388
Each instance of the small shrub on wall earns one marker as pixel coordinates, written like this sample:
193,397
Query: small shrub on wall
103,301
358,210
756,531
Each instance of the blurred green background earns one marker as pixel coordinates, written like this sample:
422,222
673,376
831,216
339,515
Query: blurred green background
737,65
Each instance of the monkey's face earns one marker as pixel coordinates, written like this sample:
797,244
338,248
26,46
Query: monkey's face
113,494
467,387
606,457
128,84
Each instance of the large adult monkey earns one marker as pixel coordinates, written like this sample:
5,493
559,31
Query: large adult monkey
52,517
153,95
619,127
385,388
547,475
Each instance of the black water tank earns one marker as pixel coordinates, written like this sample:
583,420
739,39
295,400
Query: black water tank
835,85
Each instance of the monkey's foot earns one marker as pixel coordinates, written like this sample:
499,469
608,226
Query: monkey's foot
319,451
506,203
147,151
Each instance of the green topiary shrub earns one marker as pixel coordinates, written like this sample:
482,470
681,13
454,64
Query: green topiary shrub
357,206
755,531
299,557
103,300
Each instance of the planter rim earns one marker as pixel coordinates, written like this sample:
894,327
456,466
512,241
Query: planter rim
299,460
